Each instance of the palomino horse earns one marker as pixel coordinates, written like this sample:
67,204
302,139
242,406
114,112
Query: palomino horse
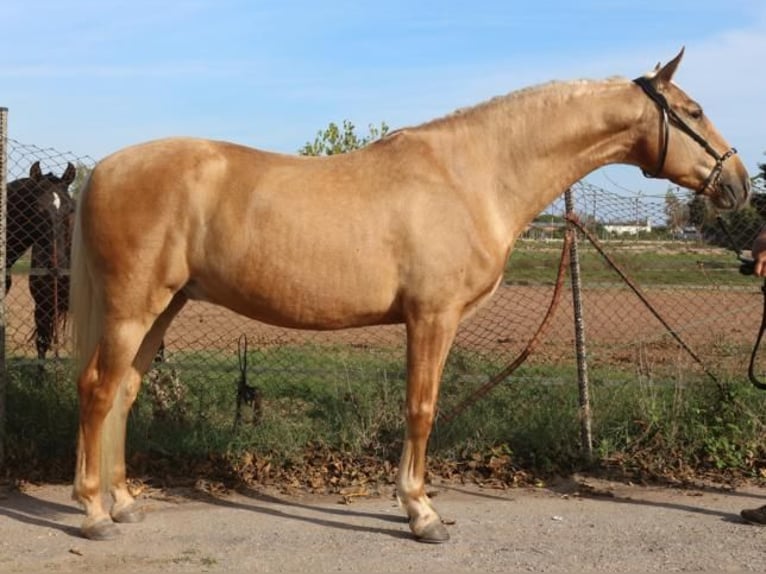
414,228
40,215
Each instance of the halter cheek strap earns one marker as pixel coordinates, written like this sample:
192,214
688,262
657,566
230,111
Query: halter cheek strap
669,115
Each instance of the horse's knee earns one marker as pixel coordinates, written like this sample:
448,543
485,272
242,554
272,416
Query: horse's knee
420,419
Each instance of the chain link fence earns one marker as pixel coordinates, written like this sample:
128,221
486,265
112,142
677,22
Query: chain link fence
670,245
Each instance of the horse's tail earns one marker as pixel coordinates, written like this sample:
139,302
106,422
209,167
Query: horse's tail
86,305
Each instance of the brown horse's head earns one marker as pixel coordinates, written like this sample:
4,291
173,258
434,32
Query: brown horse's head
40,213
52,215
682,145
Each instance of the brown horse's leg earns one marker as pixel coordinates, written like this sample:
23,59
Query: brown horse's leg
44,315
98,385
125,508
428,343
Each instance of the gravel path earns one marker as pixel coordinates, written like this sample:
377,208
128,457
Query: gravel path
584,527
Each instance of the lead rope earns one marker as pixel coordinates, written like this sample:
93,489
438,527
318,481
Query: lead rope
242,381
747,267
757,383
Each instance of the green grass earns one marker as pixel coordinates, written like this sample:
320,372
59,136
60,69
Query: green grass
351,401
23,264
647,263
342,394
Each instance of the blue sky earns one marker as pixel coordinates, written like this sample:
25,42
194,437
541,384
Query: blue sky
92,76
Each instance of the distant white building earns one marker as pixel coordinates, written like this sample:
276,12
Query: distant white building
632,228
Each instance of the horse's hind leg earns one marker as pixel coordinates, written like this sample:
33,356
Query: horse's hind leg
428,342
98,386
124,508
110,382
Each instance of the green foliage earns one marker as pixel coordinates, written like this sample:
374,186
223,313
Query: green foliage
743,225
335,140
758,202
699,212
82,175
649,428
533,417
674,429
41,421
335,404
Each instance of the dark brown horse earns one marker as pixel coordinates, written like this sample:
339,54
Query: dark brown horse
415,229
40,216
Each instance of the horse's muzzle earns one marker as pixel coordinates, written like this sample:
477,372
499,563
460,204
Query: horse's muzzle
731,192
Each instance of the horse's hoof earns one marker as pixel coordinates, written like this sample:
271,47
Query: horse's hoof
432,533
129,515
102,530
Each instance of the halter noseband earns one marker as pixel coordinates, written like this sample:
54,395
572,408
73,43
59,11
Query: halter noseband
669,114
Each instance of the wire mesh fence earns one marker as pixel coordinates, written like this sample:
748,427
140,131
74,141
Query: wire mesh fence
670,245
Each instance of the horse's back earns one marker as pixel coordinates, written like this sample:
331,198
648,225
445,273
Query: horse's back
255,231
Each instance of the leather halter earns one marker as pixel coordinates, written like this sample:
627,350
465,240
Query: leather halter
669,115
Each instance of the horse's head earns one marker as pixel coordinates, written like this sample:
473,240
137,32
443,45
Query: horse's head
35,203
682,145
51,210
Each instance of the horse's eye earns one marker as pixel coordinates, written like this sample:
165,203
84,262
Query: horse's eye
696,114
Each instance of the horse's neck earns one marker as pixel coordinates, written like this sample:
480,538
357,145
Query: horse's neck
543,140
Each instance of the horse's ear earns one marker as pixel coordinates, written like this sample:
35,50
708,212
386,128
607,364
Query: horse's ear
35,172
666,72
69,174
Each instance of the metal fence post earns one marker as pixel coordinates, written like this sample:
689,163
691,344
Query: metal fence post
3,214
586,436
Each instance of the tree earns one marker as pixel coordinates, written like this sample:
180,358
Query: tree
334,140
758,202
698,211
83,173
742,227
677,213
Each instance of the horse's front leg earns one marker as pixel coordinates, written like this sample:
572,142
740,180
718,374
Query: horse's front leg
428,342
44,318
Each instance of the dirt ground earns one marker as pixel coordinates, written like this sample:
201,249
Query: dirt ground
582,525
614,317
